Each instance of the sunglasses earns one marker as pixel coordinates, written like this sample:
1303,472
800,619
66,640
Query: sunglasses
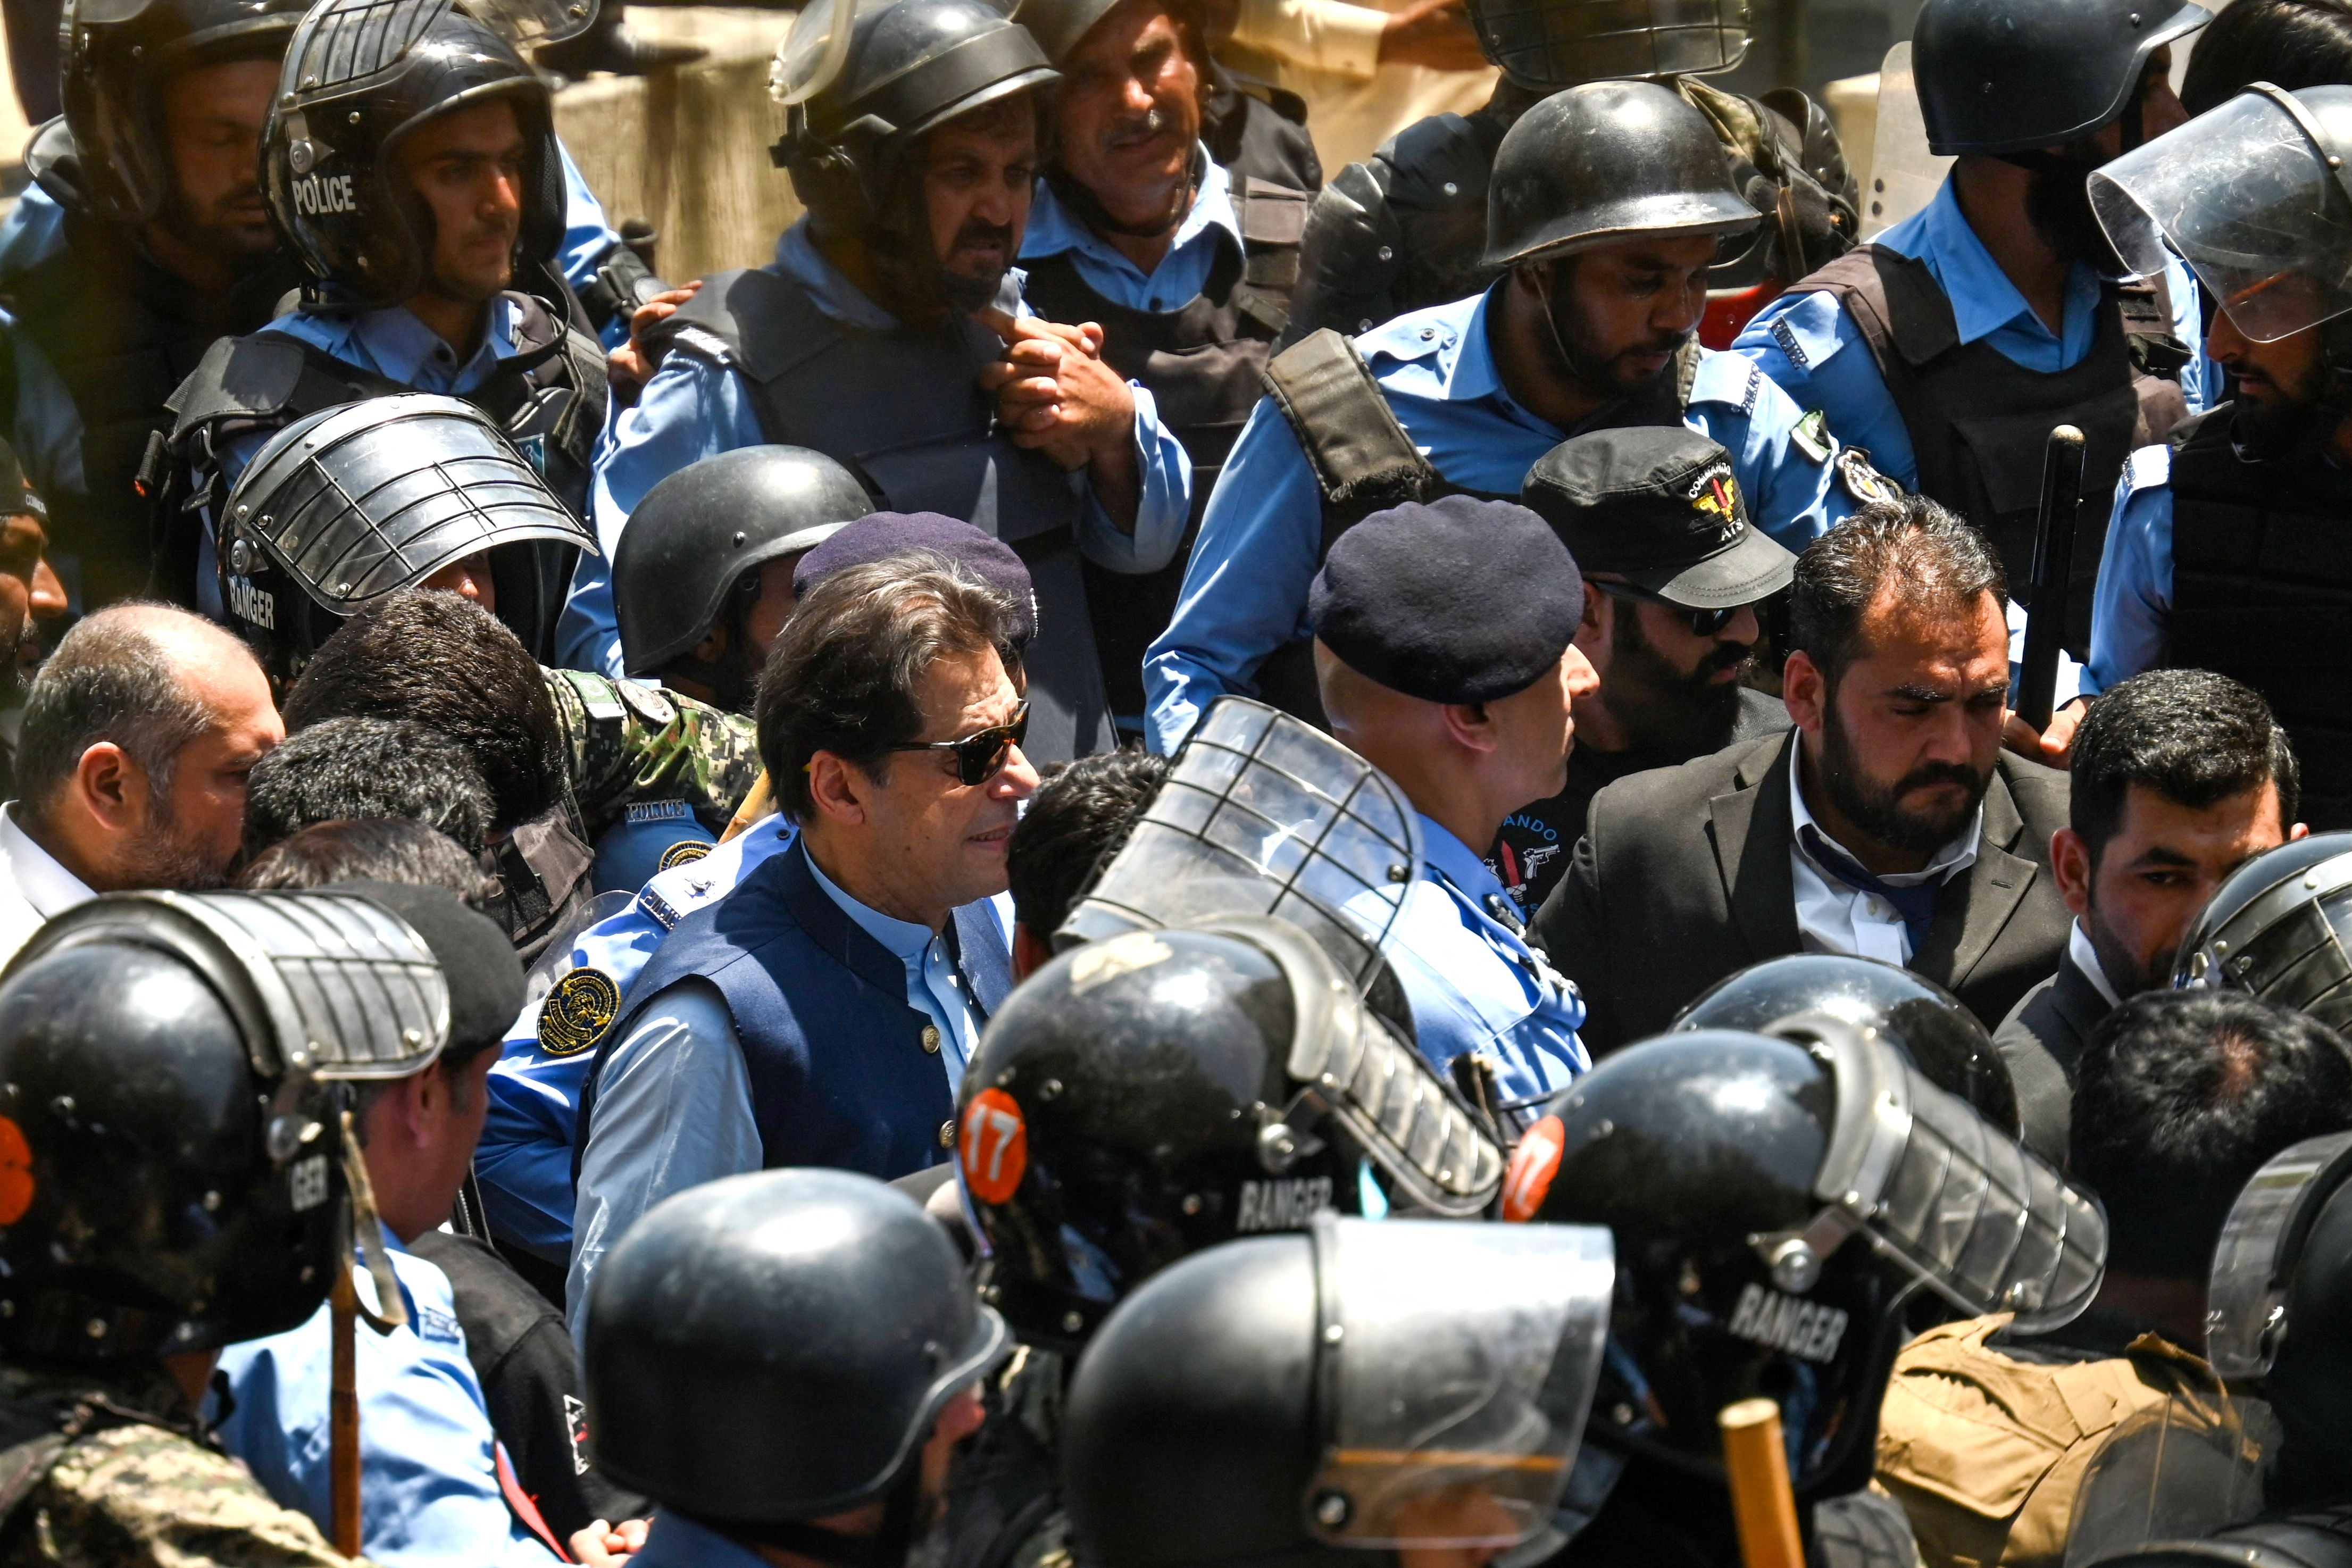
978,757
1703,623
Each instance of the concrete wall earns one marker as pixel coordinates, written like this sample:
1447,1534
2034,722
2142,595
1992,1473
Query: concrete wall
687,149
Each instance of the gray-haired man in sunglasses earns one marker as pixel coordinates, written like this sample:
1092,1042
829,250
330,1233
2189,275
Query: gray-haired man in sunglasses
1672,574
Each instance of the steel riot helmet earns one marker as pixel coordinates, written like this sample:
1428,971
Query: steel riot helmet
1544,46
2320,1538
116,58
1926,1023
1774,1198
860,98
360,76
2275,928
772,1348
1140,1098
172,1162
358,501
1602,161
1059,26
2008,76
1293,1400
2254,196
697,541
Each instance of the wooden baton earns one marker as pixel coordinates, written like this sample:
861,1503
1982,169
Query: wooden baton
1761,1501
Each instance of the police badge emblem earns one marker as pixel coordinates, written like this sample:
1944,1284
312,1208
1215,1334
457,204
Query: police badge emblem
684,852
1862,481
579,1011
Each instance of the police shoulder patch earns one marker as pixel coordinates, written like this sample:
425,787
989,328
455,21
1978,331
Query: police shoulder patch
579,1011
1862,481
648,703
683,852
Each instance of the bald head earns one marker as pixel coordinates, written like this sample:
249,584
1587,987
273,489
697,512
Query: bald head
138,734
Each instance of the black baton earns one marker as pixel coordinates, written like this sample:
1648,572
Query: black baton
2053,565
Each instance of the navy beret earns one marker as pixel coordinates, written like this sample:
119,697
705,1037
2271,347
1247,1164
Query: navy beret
1456,600
869,539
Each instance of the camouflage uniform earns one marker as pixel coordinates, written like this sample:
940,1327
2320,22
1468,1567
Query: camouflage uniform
630,744
105,1468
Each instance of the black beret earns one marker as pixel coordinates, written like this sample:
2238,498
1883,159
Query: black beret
1452,601
486,985
869,539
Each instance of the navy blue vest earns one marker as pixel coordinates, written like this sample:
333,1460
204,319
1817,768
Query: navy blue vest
839,1076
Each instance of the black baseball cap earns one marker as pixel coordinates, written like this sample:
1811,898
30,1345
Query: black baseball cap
1659,506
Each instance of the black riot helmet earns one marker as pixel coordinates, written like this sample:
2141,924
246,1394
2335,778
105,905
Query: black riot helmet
1544,46
2279,1310
1928,1023
1296,1400
171,1164
2321,1538
1774,1198
355,502
1059,26
859,101
1603,161
2008,76
2276,928
773,1348
1140,1098
360,76
692,551
117,56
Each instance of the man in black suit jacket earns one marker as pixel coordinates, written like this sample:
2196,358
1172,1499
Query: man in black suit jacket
1913,839
2179,776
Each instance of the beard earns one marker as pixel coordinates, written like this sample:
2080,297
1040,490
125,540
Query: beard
964,294
2058,205
214,232
2122,966
166,855
1664,709
1596,365
1878,809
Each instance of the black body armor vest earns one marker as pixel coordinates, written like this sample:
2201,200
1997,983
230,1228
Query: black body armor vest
1202,364
549,396
2261,592
902,411
122,334
1979,421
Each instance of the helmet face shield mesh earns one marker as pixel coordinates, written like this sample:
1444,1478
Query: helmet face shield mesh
2246,1295
1952,1200
2246,196
1456,1366
2277,928
1553,44
369,497
1263,815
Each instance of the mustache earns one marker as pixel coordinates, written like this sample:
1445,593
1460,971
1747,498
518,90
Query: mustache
1727,655
1130,129
1933,774
977,232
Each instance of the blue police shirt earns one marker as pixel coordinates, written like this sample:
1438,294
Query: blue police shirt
1803,340
428,1469
2133,597
1245,593
1181,274
694,409
47,434
1475,984
523,1163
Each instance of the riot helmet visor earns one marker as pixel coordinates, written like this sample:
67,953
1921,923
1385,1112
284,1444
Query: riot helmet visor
1952,1200
1262,814
1458,1365
2246,196
524,23
2253,1267
815,49
2277,928
2177,1471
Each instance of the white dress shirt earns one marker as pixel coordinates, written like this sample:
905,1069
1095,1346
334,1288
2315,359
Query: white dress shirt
34,888
2086,959
1834,918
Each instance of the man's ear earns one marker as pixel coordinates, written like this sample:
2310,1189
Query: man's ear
838,787
2070,865
110,786
1470,725
1592,631
1031,953
1805,691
